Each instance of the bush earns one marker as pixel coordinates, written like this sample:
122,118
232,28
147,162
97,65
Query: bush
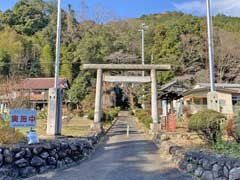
42,114
208,122
78,112
110,114
130,112
236,127
144,118
9,135
90,114
229,149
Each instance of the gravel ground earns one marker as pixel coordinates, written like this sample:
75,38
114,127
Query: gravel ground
121,157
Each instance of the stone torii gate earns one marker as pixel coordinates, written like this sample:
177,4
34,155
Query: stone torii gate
128,79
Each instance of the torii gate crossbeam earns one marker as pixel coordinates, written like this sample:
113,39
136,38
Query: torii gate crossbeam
127,67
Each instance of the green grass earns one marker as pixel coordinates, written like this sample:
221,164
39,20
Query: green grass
229,149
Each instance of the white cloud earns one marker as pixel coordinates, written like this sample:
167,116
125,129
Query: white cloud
227,7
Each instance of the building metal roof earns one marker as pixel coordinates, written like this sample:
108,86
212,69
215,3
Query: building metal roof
218,85
218,89
43,83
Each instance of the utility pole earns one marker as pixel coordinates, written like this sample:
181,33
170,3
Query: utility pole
58,45
212,96
54,119
210,45
142,30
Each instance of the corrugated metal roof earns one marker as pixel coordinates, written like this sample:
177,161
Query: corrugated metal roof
225,90
42,83
219,85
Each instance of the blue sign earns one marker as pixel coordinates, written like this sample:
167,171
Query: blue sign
20,118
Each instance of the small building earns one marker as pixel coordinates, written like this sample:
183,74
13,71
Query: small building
228,96
34,90
170,96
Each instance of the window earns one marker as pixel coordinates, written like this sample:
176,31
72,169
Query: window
205,101
235,100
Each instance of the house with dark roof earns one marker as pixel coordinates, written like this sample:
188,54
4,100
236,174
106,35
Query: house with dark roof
228,96
34,89
38,89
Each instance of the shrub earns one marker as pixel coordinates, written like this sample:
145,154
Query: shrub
130,112
229,149
147,121
144,118
236,127
110,114
42,114
208,123
90,114
78,112
9,135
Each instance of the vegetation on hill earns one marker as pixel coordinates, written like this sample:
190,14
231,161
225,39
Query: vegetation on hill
27,44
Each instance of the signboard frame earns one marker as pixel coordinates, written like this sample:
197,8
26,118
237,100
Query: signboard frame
23,118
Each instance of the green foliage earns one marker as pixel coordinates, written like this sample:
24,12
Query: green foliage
144,118
66,65
9,135
27,44
110,114
88,102
208,122
80,88
42,115
4,62
93,48
27,16
236,127
90,114
47,61
228,149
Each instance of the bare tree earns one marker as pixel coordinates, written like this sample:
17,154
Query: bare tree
83,11
13,93
227,56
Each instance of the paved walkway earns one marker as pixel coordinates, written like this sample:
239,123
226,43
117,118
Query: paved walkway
121,158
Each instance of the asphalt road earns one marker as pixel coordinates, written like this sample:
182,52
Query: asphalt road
121,158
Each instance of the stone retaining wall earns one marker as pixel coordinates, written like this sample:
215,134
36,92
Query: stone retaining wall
205,165
23,160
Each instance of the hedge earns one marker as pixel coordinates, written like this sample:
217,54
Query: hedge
208,122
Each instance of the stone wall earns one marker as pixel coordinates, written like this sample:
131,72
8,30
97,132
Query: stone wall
204,165
23,160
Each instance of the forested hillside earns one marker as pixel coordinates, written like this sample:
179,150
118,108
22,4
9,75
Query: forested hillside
27,44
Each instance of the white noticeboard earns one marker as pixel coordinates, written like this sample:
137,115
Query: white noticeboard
20,118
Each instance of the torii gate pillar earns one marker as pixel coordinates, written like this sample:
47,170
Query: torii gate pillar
155,126
98,103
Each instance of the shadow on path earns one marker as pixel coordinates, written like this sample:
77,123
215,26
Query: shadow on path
122,158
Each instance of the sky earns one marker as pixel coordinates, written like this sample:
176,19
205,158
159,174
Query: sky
135,8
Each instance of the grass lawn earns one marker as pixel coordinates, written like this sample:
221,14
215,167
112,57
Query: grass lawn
77,126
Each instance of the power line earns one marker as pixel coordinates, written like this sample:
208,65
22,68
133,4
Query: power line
5,64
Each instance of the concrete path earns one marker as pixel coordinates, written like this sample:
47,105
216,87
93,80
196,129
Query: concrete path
121,158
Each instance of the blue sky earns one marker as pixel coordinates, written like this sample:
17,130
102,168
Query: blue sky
136,8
